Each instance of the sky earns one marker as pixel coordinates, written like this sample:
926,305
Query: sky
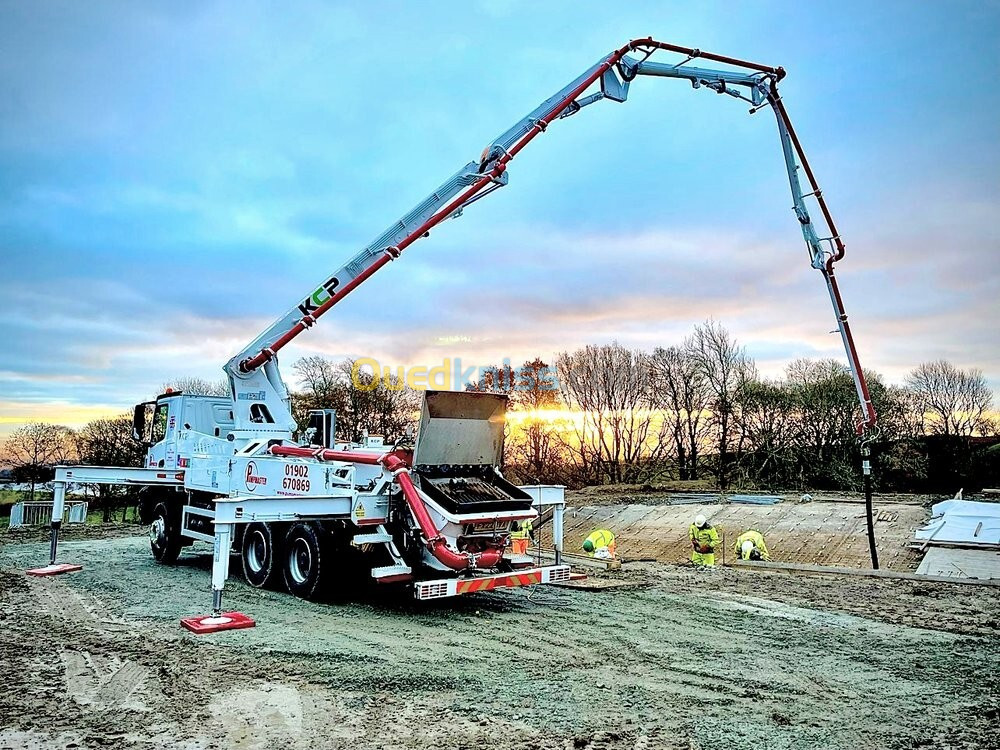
175,175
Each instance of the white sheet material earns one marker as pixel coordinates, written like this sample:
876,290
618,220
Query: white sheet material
962,521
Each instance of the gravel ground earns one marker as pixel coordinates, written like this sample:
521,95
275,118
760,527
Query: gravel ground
728,659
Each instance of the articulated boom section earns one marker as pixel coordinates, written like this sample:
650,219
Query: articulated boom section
609,79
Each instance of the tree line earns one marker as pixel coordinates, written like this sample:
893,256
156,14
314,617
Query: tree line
607,414
700,411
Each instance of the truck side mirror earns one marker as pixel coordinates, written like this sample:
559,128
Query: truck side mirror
139,423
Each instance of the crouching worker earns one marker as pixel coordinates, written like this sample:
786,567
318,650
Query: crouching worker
521,537
704,539
750,546
600,544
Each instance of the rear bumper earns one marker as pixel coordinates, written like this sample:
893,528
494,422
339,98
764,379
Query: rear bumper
445,587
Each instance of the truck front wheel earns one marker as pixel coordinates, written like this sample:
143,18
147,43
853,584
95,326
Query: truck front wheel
259,555
164,535
303,560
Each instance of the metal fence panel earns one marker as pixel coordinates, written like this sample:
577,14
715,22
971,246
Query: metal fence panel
39,513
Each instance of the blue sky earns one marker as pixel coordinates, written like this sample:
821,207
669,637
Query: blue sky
175,175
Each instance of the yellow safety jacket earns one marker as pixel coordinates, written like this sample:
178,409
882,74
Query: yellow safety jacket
524,530
757,538
707,538
601,538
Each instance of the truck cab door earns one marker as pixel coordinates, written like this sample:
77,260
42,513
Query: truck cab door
163,435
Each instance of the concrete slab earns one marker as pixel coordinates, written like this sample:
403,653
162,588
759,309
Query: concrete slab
961,563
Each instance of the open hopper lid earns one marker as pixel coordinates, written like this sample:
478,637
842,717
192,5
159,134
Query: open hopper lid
460,428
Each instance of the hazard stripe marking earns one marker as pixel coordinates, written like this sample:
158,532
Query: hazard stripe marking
473,585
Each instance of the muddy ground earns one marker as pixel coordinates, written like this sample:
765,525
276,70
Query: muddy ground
677,659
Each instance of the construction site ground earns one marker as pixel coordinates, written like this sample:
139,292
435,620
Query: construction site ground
678,659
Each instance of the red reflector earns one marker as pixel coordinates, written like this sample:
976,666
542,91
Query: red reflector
179,476
161,476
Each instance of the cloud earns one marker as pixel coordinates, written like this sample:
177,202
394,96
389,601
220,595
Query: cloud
173,177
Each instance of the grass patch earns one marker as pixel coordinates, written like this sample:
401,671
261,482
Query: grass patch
97,516
9,497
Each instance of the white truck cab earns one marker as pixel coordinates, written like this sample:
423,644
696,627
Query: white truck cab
175,426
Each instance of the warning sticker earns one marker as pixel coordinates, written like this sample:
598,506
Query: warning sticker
359,511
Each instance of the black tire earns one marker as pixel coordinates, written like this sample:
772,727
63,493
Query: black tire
148,498
165,534
302,559
259,554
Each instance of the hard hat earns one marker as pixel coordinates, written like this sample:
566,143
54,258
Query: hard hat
588,546
700,521
746,548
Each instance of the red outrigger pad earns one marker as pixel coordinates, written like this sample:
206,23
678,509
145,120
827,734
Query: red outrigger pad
202,624
54,570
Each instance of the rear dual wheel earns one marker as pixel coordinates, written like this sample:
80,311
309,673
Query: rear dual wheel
304,557
260,556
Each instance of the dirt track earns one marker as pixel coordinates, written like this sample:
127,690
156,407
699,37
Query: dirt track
683,660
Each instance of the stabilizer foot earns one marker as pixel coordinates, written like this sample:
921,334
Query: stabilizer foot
202,624
54,569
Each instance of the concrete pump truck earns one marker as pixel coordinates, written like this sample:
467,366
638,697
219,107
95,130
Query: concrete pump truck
433,513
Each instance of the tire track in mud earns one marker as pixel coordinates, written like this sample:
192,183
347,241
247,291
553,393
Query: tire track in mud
91,678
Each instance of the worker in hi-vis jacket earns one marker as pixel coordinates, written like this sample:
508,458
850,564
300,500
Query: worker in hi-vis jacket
704,541
521,537
750,546
600,544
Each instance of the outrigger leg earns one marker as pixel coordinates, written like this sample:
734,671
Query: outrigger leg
58,505
219,620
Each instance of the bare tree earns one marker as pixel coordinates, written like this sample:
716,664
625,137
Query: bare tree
726,367
198,386
33,449
533,447
950,401
109,442
681,390
620,436
385,408
495,379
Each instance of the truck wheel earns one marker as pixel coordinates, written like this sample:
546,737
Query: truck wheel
303,560
164,535
259,555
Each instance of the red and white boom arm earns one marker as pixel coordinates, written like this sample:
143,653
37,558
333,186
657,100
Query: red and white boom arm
261,401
